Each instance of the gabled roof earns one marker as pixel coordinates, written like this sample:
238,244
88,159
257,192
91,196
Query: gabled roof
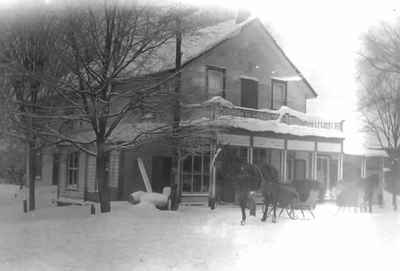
206,39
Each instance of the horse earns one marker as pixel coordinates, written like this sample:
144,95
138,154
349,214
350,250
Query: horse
275,193
247,182
263,178
357,194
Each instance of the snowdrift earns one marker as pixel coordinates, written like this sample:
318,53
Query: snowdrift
158,200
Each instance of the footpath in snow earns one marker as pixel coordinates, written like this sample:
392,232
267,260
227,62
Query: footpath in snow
192,238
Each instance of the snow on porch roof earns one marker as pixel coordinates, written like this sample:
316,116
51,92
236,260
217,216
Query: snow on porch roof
218,100
204,40
257,125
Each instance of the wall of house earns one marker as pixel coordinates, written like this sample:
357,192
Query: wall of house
113,176
130,178
252,54
47,168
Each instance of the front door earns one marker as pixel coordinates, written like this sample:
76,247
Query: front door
160,173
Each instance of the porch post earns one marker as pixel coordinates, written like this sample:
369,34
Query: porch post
284,163
363,166
328,194
212,189
340,167
250,155
314,163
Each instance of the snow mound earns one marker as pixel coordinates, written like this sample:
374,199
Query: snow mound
219,100
149,199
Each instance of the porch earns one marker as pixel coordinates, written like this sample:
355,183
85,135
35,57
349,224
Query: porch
294,158
298,145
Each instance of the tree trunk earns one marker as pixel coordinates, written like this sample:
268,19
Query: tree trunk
104,190
176,110
394,200
30,175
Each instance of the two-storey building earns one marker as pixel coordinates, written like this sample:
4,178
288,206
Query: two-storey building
235,76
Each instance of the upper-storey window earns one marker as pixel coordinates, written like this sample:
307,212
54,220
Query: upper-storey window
279,94
249,90
215,81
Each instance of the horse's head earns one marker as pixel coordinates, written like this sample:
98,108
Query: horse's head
268,172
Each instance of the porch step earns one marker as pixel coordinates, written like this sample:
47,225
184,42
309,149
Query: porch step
69,201
194,200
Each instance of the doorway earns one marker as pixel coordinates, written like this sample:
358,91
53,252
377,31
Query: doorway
160,173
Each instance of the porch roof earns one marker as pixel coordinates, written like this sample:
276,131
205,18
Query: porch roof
257,125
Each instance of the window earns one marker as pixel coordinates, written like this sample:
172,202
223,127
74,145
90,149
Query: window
249,93
215,81
279,94
72,169
261,156
195,174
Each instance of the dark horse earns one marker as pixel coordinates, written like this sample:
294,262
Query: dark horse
275,193
264,178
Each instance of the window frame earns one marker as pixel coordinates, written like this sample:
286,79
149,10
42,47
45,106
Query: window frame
204,173
72,171
254,80
218,69
276,81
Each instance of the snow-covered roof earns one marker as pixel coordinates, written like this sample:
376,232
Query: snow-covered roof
124,132
196,44
364,151
257,125
282,111
287,78
276,124
193,45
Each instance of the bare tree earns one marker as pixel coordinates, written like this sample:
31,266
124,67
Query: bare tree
379,75
26,50
109,73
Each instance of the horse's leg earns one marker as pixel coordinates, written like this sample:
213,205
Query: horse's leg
274,215
252,205
280,213
243,209
265,214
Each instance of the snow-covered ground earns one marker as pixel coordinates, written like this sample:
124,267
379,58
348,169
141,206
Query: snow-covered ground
193,238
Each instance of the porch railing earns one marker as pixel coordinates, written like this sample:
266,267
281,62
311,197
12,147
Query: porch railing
214,110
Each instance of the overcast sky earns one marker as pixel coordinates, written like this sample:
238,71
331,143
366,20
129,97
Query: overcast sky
322,38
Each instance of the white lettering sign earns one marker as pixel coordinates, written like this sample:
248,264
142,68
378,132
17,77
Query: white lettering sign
300,145
328,147
269,143
235,140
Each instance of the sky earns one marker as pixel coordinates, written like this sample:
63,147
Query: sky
322,38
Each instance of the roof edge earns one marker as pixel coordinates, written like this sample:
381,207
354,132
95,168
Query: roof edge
287,58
